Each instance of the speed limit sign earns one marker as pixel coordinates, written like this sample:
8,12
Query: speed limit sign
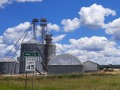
30,63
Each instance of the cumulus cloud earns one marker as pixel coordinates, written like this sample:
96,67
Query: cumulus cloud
58,38
94,16
54,27
114,29
96,49
70,25
5,2
10,37
59,48
5,49
94,43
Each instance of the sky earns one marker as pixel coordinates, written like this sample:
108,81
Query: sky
88,29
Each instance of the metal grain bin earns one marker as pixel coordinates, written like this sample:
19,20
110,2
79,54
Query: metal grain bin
7,66
31,46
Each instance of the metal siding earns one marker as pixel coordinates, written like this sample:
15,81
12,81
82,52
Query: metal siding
49,53
17,65
90,67
31,47
64,69
7,67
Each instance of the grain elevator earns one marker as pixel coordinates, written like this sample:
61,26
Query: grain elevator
44,47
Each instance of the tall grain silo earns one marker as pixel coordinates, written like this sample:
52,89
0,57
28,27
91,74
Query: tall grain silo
49,49
7,66
31,46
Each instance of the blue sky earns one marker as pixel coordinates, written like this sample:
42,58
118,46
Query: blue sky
88,29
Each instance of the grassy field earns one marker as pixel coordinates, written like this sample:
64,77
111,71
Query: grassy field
63,82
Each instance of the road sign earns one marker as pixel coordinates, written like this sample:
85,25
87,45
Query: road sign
33,54
30,63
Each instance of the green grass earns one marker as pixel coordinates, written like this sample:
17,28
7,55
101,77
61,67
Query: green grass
63,82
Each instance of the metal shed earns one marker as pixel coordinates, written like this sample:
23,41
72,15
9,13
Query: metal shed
65,63
90,66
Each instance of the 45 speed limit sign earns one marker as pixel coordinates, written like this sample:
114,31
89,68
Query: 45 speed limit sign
30,63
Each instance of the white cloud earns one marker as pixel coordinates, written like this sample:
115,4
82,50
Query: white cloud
2,46
54,27
94,43
91,44
4,2
114,29
17,29
28,0
97,49
10,37
94,16
5,49
58,38
62,48
1,38
70,25
59,48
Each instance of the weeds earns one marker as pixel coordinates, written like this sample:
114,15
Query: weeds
63,82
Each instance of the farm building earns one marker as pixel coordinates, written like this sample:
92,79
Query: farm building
65,63
90,66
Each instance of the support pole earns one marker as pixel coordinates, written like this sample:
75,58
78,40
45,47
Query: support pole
26,81
33,81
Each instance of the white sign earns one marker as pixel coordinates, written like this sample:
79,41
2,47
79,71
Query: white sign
30,63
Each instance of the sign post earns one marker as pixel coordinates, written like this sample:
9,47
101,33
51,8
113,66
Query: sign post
30,62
